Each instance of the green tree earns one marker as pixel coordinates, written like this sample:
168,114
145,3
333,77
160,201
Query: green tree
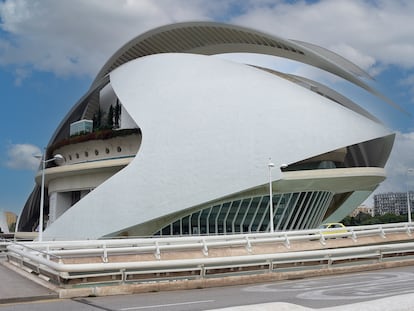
366,219
97,117
110,117
363,218
349,221
117,114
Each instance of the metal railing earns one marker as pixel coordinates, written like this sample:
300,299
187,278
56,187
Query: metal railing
117,260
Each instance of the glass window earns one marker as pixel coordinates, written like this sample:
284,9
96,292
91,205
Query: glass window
212,219
231,216
240,215
186,225
223,213
263,208
76,196
166,230
176,227
194,223
203,220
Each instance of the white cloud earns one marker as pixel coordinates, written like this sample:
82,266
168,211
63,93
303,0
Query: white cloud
365,32
76,37
409,83
21,157
400,161
401,157
20,75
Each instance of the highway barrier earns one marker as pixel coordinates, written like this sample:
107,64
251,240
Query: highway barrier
70,264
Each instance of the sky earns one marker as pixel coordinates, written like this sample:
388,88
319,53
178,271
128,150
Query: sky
50,51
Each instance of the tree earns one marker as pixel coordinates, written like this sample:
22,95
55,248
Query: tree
363,218
366,219
97,117
110,117
117,114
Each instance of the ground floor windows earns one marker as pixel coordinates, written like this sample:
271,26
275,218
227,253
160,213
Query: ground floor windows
291,211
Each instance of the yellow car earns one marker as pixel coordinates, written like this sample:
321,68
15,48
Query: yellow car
336,227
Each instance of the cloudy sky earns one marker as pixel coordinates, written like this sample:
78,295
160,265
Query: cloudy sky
51,50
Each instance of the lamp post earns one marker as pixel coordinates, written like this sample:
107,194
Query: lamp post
42,189
410,170
271,165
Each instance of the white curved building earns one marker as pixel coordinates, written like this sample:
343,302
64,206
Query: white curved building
190,136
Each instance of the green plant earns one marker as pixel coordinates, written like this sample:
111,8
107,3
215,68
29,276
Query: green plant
97,135
366,219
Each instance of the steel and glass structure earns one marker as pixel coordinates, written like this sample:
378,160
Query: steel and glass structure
182,138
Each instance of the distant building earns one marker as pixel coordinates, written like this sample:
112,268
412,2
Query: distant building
392,202
363,209
7,219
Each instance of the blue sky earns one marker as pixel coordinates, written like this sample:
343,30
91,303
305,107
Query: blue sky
51,50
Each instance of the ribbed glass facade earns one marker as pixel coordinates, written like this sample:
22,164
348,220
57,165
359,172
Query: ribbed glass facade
291,211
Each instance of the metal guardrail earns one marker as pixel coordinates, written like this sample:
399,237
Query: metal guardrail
51,258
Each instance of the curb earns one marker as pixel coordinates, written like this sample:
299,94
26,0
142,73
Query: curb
131,288
27,299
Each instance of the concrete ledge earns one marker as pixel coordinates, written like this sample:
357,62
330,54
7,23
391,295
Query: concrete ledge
27,299
124,289
116,288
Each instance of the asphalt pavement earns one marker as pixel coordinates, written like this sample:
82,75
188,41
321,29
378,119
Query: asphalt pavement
390,289
17,288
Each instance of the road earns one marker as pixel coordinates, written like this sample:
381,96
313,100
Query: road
320,292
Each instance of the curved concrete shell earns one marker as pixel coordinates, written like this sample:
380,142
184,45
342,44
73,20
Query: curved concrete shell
205,130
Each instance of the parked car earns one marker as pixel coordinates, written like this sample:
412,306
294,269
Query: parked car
336,227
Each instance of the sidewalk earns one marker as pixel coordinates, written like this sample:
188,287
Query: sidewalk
17,288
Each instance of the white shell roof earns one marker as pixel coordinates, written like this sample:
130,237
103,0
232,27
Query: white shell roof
211,38
208,135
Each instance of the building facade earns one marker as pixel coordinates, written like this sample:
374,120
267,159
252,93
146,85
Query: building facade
363,209
182,138
7,221
392,203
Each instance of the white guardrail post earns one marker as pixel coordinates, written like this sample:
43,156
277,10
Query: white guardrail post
50,256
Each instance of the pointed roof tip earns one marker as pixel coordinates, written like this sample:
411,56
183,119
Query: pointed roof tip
210,38
336,58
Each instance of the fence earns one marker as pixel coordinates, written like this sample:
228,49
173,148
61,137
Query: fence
70,263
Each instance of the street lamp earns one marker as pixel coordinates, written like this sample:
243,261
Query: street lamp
271,165
56,157
410,170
